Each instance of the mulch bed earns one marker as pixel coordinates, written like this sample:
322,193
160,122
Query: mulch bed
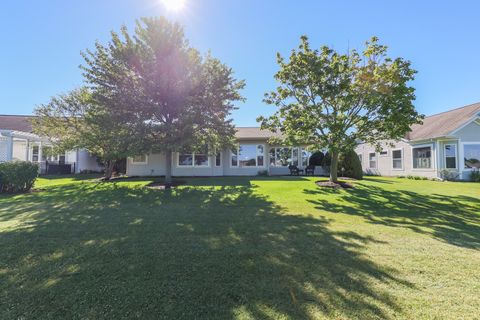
339,185
163,186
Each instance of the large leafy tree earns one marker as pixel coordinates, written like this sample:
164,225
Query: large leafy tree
77,121
183,98
331,100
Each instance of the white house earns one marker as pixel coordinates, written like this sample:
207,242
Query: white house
17,142
445,142
252,155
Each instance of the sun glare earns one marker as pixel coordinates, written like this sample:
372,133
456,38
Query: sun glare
174,5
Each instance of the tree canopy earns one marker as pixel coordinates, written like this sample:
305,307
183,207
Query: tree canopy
184,99
75,121
331,100
148,91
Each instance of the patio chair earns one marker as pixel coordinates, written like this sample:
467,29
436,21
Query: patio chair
294,170
310,170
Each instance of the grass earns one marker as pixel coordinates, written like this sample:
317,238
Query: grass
241,248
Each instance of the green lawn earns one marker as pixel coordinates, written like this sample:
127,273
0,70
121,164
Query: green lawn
241,248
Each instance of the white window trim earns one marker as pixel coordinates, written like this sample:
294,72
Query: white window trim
141,162
178,165
256,156
445,156
463,154
300,156
401,158
433,157
376,160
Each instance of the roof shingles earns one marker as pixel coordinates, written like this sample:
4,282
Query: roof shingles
16,123
442,124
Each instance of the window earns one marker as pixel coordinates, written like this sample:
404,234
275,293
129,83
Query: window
305,156
234,157
422,157
48,155
260,155
372,160
397,159
140,159
193,159
272,156
283,157
248,155
384,153
472,156
35,150
218,159
295,157
450,156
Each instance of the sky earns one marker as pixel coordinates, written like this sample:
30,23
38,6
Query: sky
41,42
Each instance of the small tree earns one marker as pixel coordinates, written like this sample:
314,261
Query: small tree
184,99
76,121
316,159
333,100
349,165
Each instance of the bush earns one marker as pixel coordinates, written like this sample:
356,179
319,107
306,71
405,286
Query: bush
475,175
449,175
17,176
350,162
262,173
316,159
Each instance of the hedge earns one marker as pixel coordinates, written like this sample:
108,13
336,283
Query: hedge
351,164
17,176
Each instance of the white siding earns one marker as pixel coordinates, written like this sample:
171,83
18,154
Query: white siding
155,166
385,163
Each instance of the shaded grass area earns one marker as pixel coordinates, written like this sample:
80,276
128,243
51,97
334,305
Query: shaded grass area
235,248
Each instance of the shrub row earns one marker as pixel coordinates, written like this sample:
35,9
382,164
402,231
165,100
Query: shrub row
17,176
475,175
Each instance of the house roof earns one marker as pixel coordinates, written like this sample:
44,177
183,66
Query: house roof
434,126
254,133
16,123
442,124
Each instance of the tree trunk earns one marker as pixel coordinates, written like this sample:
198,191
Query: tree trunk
334,167
109,164
168,169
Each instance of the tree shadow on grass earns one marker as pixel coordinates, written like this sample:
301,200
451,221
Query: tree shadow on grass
453,219
107,251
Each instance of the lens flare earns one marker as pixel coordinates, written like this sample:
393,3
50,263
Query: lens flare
174,5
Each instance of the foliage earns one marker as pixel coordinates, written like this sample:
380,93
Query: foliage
184,99
327,160
262,173
475,175
18,176
316,159
449,175
412,177
351,165
333,100
78,120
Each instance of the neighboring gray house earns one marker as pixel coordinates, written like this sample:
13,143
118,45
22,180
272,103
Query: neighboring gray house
445,141
18,143
253,154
